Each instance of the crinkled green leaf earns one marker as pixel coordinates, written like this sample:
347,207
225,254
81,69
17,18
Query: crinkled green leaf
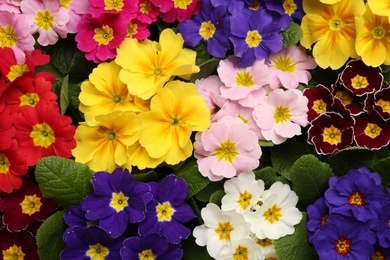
296,246
292,35
62,53
49,237
216,197
206,69
64,98
269,176
309,178
146,176
194,252
350,158
205,194
383,168
63,180
190,173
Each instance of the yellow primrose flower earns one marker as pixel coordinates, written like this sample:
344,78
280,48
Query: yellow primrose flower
154,63
380,7
104,146
104,93
333,30
138,156
329,2
175,111
372,42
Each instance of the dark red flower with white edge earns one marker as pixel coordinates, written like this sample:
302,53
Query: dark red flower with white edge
345,101
29,90
381,102
371,131
320,101
12,167
7,130
43,131
330,132
25,206
361,79
18,245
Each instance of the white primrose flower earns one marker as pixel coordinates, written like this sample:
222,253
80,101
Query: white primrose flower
242,193
267,248
277,214
215,233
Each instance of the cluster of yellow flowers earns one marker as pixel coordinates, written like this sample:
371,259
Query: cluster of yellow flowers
340,29
136,112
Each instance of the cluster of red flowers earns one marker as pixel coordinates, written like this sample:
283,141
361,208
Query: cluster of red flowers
353,111
32,125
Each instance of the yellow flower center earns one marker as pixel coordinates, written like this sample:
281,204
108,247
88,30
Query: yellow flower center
223,230
324,219
4,164
253,39
119,201
103,35
164,211
372,130
378,255
285,64
16,71
335,24
319,106
226,151
97,252
244,79
254,6
182,4
116,5
131,29
241,253
244,119
359,82
116,99
342,246
332,135
31,204
29,99
65,3
157,71
356,198
44,19
7,37
282,114
146,255
378,32
384,104
207,30
244,200
346,99
289,7
264,242
144,8
42,135
273,214
174,122
13,253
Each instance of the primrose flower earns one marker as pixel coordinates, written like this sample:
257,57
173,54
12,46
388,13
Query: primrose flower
379,7
215,233
46,17
104,146
153,64
147,12
12,6
125,8
117,201
167,211
177,10
226,149
372,40
289,67
320,101
371,131
333,29
291,8
282,114
7,130
13,34
175,111
19,245
318,214
92,242
277,215
383,232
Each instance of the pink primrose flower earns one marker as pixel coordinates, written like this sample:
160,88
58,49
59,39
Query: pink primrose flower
226,149
76,9
127,8
138,30
12,6
177,10
147,12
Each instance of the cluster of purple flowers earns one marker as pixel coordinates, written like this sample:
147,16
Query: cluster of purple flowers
251,28
356,109
352,220
126,219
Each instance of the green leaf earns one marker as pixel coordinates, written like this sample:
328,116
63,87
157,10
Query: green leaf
206,69
283,156
309,178
62,53
292,35
190,173
194,252
383,168
216,197
264,143
350,158
63,180
269,176
296,246
146,176
49,237
206,193
64,98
